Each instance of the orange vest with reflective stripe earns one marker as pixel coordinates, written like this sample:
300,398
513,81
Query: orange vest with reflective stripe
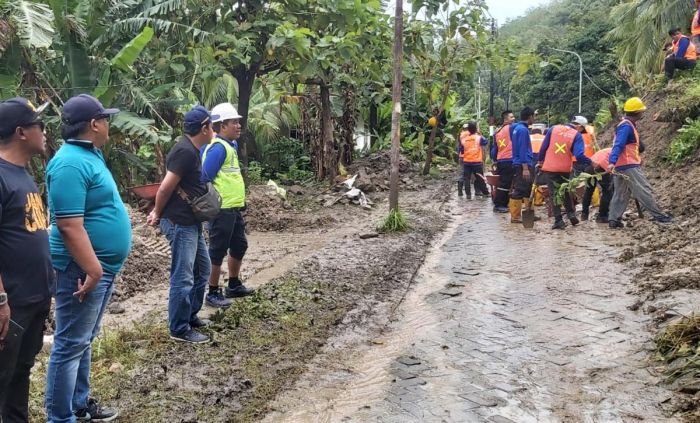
504,144
691,53
694,27
536,141
471,144
557,159
601,157
630,154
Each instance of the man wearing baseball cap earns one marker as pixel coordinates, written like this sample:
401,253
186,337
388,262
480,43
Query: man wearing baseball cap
26,274
561,144
227,230
190,267
90,240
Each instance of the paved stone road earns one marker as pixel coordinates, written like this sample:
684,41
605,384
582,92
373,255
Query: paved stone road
505,325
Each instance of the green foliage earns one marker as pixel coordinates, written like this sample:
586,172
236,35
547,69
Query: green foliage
394,222
255,173
684,144
572,184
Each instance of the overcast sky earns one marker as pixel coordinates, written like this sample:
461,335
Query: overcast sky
500,9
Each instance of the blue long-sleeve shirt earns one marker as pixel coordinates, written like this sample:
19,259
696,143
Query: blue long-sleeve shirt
216,156
683,44
522,147
624,134
578,148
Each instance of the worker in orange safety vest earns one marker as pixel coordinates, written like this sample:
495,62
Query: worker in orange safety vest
683,54
471,150
695,26
561,143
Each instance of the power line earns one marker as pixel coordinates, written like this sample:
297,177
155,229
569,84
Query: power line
596,85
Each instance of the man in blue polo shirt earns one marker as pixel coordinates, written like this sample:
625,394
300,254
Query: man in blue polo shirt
90,240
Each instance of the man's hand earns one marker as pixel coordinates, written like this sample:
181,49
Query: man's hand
538,165
611,168
526,174
153,218
4,320
84,287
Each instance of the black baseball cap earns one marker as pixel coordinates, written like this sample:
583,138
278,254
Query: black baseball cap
84,108
18,112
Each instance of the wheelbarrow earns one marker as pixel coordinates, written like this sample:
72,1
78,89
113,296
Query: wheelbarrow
146,195
493,181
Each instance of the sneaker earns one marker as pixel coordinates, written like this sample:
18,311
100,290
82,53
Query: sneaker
662,219
216,299
559,224
601,219
584,216
498,209
574,220
191,337
469,196
614,224
197,323
95,413
237,290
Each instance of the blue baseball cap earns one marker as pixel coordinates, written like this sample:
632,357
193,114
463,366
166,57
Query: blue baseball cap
83,108
18,112
196,118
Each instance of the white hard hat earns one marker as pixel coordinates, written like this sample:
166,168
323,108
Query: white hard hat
224,111
580,120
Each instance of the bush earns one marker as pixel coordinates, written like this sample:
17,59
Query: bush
685,143
255,173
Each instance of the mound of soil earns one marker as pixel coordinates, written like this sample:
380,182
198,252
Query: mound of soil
666,257
148,264
267,211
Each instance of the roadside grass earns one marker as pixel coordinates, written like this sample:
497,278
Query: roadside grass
394,222
684,143
259,345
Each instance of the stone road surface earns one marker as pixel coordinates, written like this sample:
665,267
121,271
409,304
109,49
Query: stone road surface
503,325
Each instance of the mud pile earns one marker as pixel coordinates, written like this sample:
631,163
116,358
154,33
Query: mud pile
148,264
666,257
267,211
373,173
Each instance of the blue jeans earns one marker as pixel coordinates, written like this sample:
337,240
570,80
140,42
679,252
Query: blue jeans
77,324
189,274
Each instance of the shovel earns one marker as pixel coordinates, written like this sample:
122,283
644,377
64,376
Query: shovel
529,213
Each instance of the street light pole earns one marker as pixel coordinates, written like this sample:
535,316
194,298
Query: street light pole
580,74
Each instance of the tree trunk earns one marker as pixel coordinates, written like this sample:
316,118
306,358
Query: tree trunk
396,111
246,79
373,121
431,146
330,156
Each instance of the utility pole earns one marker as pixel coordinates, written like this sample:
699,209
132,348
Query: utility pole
580,75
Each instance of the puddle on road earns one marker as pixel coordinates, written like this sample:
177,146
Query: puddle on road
503,322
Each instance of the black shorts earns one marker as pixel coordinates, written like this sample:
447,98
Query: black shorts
227,234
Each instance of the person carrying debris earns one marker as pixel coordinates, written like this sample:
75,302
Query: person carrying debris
625,165
220,166
561,143
190,266
683,54
26,272
502,156
599,164
90,241
471,150
522,164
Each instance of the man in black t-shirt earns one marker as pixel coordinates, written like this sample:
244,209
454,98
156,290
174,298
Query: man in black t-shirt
190,266
26,273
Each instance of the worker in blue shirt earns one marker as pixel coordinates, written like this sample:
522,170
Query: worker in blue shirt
625,164
522,163
683,53
502,157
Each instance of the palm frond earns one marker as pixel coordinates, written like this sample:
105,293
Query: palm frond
34,23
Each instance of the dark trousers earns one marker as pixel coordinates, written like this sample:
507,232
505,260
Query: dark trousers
505,172
17,359
553,182
672,63
522,187
606,193
479,184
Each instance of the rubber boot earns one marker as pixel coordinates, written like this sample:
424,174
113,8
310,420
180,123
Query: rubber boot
516,211
460,188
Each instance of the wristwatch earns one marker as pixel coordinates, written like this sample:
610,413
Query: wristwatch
3,298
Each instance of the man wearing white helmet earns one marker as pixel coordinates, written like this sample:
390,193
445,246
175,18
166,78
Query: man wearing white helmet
220,166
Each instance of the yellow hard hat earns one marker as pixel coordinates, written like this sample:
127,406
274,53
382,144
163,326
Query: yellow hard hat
634,104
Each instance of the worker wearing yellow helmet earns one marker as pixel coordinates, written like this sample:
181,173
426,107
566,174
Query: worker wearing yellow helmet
625,164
